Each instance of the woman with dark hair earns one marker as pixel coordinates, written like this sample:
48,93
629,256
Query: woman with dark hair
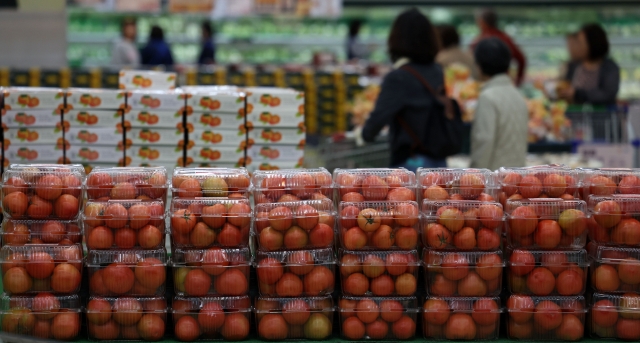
157,51
451,53
596,78
404,100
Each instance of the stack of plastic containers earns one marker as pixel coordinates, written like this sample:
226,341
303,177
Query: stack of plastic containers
294,221
41,256
216,123
210,226
614,230
124,225
378,224
547,268
462,257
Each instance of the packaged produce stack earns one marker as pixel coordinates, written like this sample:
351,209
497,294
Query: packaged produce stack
95,127
378,259
216,125
547,268
275,120
32,124
462,257
614,231
124,224
294,221
211,260
41,256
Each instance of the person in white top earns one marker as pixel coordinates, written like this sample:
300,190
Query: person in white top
125,51
500,127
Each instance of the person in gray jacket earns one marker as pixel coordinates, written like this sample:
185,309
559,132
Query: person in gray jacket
125,52
500,127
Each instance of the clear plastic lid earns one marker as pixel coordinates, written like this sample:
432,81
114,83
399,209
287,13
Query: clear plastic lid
193,305
522,258
31,173
285,214
609,181
574,304
369,215
409,304
485,210
299,257
16,231
489,305
33,253
472,179
266,305
209,182
301,183
544,208
628,305
552,181
42,303
126,183
348,258
100,258
200,257
209,209
614,205
117,214
456,259
373,184
152,304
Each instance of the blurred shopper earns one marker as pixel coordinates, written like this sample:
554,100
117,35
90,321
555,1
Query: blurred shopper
499,131
355,49
595,78
404,100
208,50
450,51
125,52
487,21
157,51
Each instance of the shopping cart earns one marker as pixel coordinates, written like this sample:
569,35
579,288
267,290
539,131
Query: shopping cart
598,125
343,152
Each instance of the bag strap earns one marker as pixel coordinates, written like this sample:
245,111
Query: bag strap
420,78
449,107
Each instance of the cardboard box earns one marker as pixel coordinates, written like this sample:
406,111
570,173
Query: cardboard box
154,154
94,136
154,136
145,79
212,165
29,136
269,153
215,99
216,154
30,118
91,98
275,99
32,98
216,121
172,101
46,153
275,118
94,118
275,165
289,136
147,118
232,138
82,153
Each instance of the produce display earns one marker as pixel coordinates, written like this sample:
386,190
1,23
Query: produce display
379,273
126,318
461,318
211,317
380,318
614,269
457,184
615,316
309,318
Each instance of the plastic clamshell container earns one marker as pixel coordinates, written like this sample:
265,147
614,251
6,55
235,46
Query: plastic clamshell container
544,272
127,183
399,315
301,273
376,225
374,184
615,269
307,224
548,223
553,181
213,271
35,268
609,181
225,318
42,191
296,184
379,273
18,231
124,224
463,274
466,319
126,318
545,318
439,184
280,319
614,219
129,272
210,182
463,225
44,315
206,222
615,316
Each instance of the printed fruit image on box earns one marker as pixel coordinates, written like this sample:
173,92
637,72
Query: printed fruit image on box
94,136
144,79
17,153
16,98
215,99
275,119
279,136
30,118
82,153
268,153
151,118
154,154
157,100
155,136
94,118
28,136
215,154
280,98
218,137
84,98
209,120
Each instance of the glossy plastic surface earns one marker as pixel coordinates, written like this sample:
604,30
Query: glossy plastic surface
378,318
466,319
280,319
546,318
